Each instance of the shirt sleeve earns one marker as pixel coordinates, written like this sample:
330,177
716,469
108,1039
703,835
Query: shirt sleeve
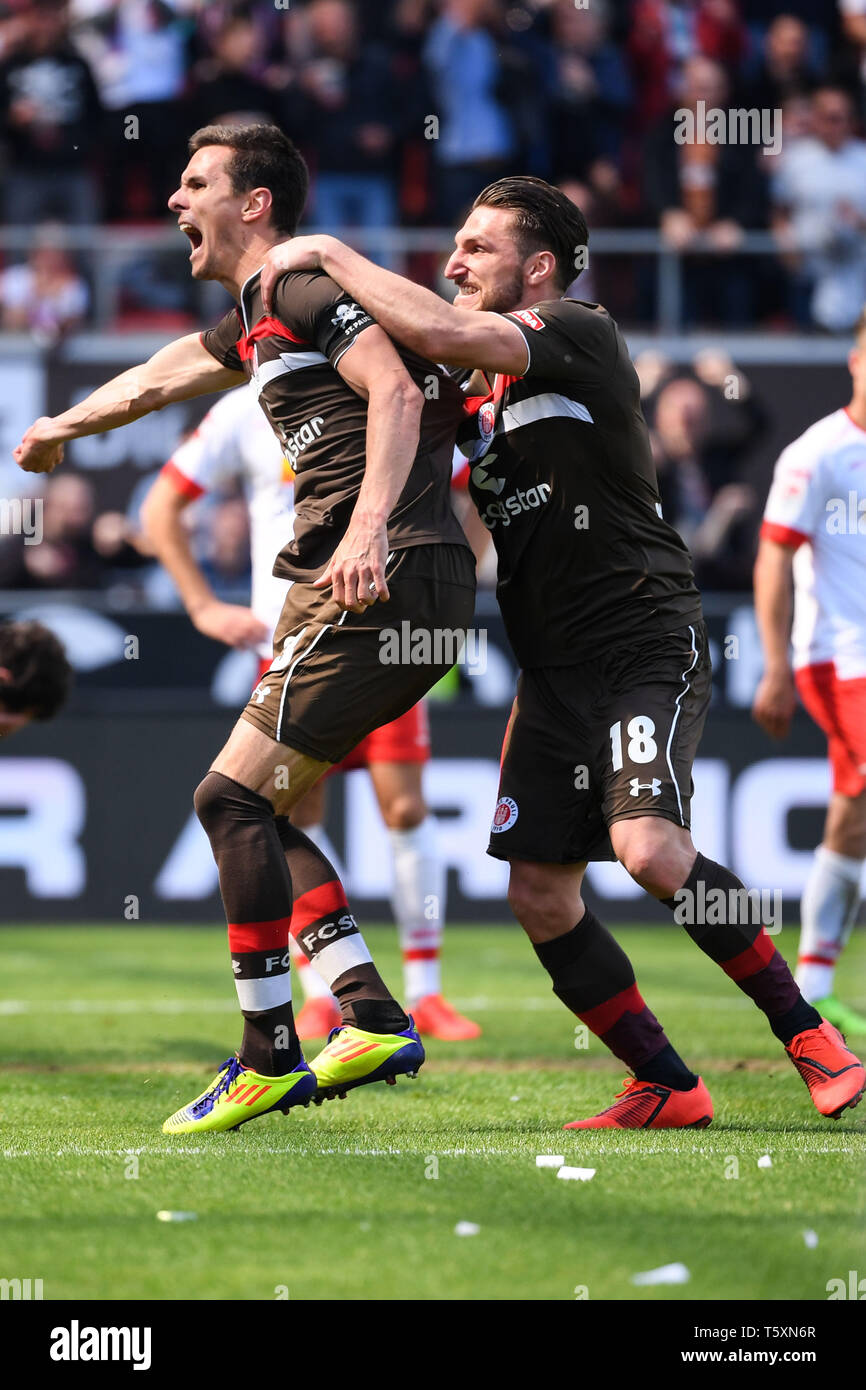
222,341
567,340
795,503
207,460
318,311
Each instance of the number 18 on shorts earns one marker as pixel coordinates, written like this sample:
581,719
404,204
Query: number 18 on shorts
588,745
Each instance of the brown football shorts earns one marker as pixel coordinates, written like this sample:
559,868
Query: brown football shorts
588,745
336,676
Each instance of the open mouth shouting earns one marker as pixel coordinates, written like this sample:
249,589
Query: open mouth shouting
195,236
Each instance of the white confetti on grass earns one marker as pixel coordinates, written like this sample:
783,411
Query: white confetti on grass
549,1160
576,1174
466,1228
765,1161
676,1273
176,1216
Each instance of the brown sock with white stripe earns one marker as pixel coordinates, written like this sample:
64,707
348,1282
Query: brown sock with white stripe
325,929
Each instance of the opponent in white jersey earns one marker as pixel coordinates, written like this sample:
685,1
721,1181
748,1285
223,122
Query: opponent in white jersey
813,541
234,444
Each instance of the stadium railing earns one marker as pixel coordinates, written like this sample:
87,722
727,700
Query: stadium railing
108,253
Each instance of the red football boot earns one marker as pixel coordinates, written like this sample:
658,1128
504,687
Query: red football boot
835,1076
317,1018
647,1105
436,1018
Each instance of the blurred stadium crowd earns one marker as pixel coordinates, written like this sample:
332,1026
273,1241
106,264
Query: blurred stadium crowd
580,94
583,95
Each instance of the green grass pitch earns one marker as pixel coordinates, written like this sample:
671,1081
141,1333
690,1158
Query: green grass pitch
105,1031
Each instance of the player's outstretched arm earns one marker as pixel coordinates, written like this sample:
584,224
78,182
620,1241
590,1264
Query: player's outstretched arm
162,521
177,372
373,368
775,698
412,315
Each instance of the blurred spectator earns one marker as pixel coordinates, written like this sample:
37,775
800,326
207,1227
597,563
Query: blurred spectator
406,37
346,114
229,86
50,117
138,51
120,546
477,139
46,296
12,25
226,558
786,70
704,196
853,13
819,194
607,280
65,558
592,90
698,438
665,34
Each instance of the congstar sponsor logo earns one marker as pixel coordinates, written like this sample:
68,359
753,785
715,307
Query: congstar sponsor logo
507,508
296,443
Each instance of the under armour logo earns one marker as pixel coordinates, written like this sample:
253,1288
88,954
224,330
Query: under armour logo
637,786
346,314
260,692
236,967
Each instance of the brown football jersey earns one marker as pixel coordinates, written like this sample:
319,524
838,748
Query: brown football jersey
321,423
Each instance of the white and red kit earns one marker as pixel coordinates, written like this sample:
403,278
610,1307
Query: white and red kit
817,505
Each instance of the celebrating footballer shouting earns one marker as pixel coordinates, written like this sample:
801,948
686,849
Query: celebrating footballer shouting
599,600
373,525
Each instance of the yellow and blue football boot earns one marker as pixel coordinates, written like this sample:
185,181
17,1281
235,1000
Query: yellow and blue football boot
238,1094
351,1057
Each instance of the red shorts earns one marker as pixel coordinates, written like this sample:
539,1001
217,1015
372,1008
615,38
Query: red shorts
404,740
839,708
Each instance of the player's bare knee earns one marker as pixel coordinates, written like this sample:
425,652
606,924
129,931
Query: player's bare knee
655,852
404,812
540,903
845,831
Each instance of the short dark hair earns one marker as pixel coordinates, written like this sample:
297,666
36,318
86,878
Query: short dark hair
40,675
264,157
544,219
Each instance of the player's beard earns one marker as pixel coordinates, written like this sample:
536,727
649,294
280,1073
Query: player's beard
498,298
503,297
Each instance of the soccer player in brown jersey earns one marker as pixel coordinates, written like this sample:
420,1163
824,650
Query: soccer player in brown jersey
601,608
375,544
